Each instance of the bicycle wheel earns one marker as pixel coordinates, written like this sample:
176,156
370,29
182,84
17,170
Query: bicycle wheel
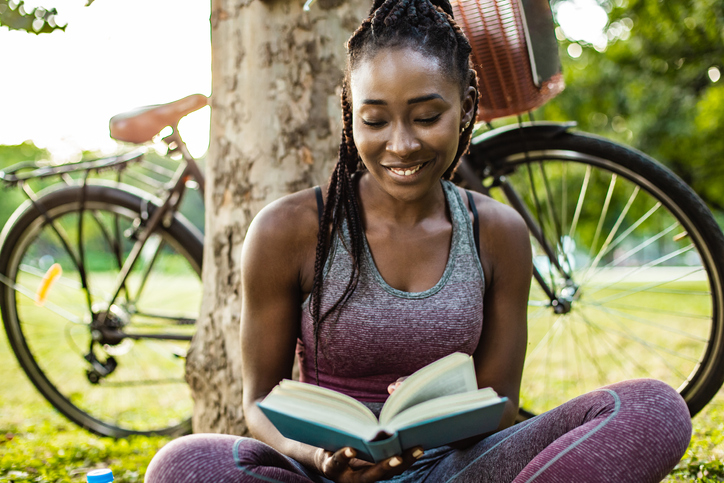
634,263
115,372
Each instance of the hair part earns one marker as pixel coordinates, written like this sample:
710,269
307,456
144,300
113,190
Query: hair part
426,26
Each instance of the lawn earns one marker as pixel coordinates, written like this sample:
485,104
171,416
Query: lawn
38,445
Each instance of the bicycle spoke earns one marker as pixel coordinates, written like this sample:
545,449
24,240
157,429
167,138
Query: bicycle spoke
188,319
539,219
604,248
633,227
114,243
638,270
641,246
626,334
29,270
641,320
604,212
557,227
549,333
148,257
579,204
617,349
48,305
683,315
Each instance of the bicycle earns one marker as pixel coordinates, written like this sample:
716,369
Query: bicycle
627,286
596,311
100,282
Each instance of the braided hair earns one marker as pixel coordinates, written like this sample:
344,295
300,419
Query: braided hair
428,27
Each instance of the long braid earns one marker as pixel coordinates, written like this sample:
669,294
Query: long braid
427,25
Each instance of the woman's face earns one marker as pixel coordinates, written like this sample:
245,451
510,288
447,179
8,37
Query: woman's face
407,116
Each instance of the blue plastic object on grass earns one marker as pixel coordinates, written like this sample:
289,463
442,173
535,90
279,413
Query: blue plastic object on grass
100,476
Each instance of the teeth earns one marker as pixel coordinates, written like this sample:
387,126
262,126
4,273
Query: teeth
406,172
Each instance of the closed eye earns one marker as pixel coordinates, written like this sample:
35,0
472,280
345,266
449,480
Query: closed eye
373,123
429,120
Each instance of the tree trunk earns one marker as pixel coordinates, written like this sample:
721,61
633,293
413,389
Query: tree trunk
275,129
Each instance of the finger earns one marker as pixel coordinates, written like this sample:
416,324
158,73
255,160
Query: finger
338,462
393,466
410,456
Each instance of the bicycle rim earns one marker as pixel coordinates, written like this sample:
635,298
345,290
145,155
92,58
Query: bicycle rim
146,391
636,259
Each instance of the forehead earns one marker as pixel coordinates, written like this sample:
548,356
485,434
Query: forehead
392,72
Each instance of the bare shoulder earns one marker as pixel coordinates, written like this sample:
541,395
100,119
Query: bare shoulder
504,237
498,219
283,233
290,215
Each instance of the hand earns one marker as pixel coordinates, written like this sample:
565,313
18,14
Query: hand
391,388
343,467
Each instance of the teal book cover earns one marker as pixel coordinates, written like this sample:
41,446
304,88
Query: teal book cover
430,433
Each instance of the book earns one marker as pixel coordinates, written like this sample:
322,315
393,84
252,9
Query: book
437,405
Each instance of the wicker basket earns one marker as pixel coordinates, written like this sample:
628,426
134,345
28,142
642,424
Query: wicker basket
518,66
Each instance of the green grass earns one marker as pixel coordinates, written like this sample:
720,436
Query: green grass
37,444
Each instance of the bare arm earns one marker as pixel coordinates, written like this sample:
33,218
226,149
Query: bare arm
505,253
271,298
276,256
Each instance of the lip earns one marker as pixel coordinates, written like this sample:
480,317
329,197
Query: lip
412,176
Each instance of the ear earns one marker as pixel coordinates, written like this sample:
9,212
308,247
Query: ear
467,106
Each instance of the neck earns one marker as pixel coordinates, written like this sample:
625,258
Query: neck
380,206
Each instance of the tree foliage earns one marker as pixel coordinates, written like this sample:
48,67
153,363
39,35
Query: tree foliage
15,16
11,198
654,86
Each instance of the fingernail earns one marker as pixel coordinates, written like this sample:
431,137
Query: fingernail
417,453
349,453
396,461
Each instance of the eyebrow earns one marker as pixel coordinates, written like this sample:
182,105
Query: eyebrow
414,100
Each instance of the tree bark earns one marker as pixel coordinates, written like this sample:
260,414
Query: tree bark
275,129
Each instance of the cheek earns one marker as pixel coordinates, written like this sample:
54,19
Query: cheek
446,138
367,142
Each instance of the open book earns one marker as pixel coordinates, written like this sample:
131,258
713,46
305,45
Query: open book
438,404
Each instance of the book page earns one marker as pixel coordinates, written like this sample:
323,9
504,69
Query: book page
442,406
326,397
328,410
452,374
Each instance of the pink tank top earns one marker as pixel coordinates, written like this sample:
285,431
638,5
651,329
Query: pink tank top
382,333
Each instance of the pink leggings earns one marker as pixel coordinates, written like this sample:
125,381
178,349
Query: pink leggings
634,431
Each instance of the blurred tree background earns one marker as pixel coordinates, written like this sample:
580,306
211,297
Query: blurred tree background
655,86
11,198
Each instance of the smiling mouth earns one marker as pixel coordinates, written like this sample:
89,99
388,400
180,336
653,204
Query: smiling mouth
408,171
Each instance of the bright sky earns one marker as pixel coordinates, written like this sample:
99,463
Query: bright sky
60,89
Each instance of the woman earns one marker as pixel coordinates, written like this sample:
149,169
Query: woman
384,275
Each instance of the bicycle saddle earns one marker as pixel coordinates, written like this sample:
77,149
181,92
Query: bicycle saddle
142,124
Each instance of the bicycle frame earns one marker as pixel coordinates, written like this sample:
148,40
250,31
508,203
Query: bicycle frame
496,177
187,170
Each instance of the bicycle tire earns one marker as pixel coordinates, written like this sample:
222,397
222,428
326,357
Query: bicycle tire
645,259
145,391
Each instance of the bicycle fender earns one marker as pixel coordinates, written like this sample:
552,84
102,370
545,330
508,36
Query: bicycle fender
512,134
98,183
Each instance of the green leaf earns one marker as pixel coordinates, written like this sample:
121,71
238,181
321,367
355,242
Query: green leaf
36,21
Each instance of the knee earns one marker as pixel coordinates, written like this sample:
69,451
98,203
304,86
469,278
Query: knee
661,408
184,458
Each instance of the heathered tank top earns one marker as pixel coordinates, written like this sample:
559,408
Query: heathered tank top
382,333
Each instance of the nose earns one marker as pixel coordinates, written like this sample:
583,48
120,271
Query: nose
403,141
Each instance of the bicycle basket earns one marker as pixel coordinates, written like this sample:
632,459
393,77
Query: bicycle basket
515,54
